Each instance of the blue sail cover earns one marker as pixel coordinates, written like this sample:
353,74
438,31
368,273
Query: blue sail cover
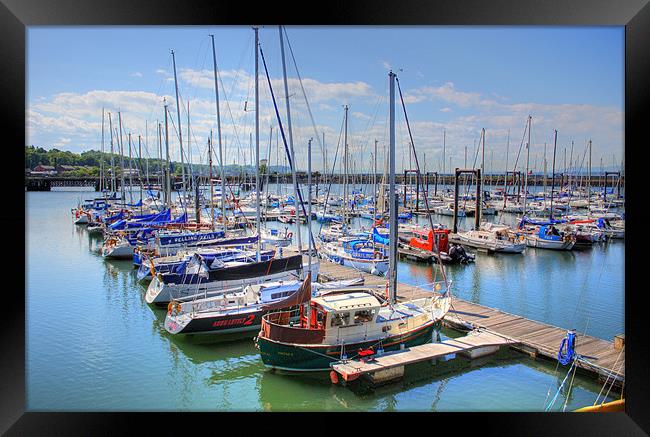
139,203
544,235
180,219
190,238
405,216
112,218
526,220
378,238
142,220
164,215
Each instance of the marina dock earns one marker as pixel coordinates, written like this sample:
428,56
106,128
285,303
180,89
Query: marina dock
390,365
600,358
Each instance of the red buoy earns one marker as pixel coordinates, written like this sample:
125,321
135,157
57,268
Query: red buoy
334,377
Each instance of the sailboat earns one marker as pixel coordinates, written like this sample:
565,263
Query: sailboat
352,319
492,238
341,245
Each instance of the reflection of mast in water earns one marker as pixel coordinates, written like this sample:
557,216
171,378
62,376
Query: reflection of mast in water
476,284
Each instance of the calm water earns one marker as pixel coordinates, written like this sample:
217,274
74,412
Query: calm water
93,344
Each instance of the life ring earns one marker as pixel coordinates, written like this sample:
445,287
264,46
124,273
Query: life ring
170,305
290,234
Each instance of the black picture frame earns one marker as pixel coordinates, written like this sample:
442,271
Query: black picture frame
15,15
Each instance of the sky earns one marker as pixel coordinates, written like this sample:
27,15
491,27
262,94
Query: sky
455,81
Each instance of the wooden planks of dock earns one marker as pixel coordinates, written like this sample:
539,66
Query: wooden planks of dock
475,341
599,356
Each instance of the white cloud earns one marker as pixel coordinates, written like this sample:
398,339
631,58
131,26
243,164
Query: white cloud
73,120
136,74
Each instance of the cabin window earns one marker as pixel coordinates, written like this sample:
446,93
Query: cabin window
363,316
341,319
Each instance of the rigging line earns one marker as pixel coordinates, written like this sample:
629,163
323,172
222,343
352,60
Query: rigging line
225,95
560,387
613,380
419,175
611,373
329,186
566,399
313,123
286,148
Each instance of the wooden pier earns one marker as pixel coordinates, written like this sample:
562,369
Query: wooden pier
389,366
601,358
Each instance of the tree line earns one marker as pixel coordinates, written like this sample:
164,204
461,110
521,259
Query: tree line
91,161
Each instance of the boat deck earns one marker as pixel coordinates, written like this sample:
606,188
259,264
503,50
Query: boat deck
538,339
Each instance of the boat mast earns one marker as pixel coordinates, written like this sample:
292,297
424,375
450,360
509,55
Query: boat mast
392,269
190,174
545,174
345,171
160,178
309,201
101,155
553,177
119,117
211,184
530,120
223,176
146,150
589,184
140,168
444,141
110,128
480,199
295,181
257,147
168,172
570,166
268,169
130,172
180,132
505,179
374,185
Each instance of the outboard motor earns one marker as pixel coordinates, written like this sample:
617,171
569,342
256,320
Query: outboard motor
458,254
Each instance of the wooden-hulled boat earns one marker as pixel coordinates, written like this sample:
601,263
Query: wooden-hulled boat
340,323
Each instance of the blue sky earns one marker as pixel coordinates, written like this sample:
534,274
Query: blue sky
455,79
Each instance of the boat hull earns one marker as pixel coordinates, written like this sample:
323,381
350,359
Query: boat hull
121,251
160,293
242,323
369,266
491,245
534,241
310,358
